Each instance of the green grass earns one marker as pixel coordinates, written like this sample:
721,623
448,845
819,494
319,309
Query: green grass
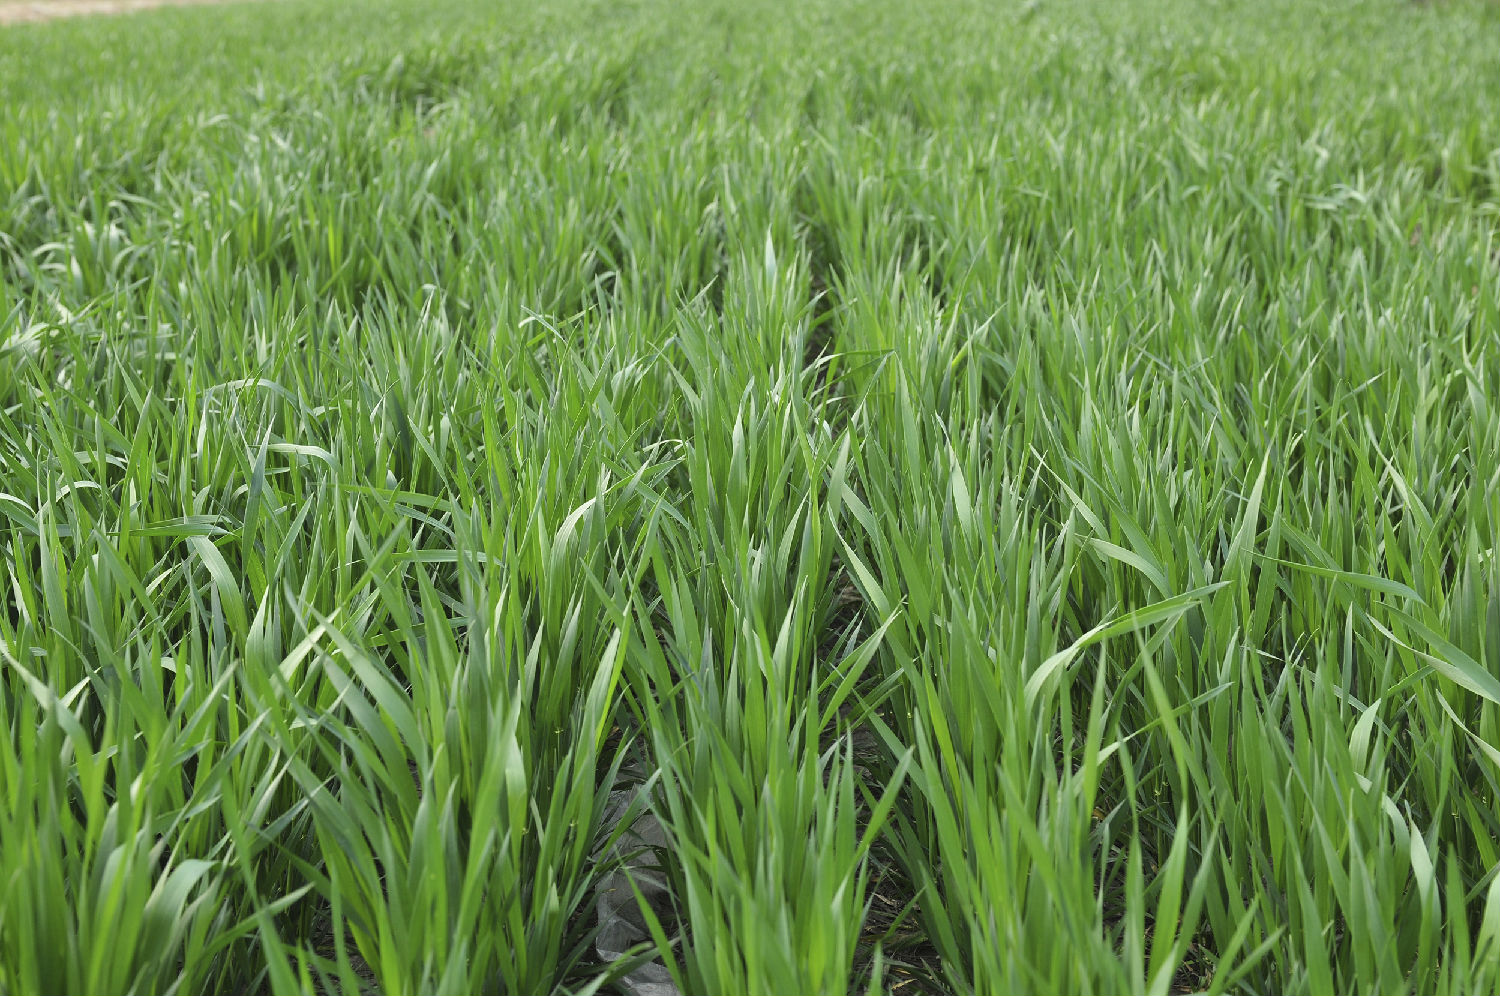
1017,486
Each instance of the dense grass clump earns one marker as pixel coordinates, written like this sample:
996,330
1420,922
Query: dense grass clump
1009,493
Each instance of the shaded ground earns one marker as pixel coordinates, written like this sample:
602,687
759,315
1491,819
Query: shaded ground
12,12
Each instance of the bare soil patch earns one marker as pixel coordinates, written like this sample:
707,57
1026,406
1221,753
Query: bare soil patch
15,12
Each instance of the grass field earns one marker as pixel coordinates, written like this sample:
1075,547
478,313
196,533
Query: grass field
1008,494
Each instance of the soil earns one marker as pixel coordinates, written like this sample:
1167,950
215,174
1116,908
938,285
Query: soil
17,12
